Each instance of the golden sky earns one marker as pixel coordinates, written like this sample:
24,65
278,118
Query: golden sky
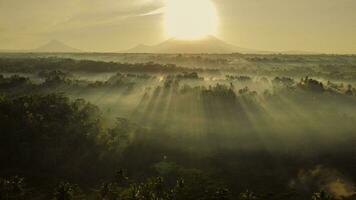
327,26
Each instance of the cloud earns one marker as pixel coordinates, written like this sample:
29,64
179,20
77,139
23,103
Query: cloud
96,13
36,16
154,12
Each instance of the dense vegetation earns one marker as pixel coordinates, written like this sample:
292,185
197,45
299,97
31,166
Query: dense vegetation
266,127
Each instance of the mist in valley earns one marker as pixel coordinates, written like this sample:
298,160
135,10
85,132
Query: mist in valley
284,127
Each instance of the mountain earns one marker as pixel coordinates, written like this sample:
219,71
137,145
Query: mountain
55,46
299,52
209,44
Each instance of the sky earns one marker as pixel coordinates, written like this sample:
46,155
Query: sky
325,26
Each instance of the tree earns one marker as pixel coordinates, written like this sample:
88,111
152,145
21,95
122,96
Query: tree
67,191
247,195
12,188
322,195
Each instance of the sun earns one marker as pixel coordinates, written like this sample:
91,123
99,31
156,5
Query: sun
190,19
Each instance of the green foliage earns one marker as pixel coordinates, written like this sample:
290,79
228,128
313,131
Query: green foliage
247,195
322,195
120,135
311,85
67,191
109,191
12,188
217,134
50,132
14,82
55,78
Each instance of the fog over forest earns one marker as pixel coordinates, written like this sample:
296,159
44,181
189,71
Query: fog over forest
177,100
177,126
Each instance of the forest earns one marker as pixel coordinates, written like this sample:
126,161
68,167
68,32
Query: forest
177,126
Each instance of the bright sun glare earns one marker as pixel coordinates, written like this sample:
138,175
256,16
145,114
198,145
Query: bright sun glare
190,19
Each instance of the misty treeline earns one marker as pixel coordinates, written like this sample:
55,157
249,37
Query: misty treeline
80,129
331,67
29,65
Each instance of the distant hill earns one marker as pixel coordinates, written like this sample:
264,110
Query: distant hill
55,46
208,44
